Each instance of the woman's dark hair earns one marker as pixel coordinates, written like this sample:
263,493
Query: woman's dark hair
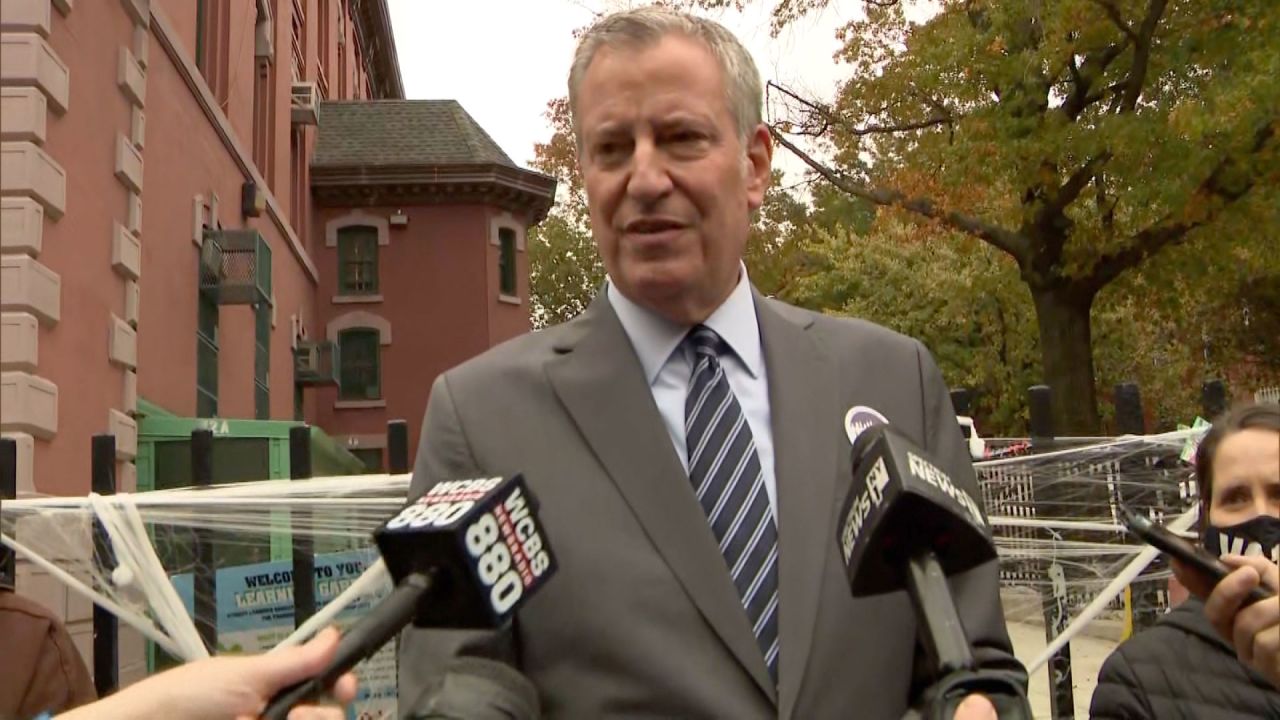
1265,416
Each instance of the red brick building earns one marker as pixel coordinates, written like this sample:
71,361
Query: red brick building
203,198
204,204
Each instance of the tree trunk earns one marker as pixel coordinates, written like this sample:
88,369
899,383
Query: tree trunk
1066,352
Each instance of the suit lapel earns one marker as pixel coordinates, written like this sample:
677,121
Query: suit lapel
804,403
602,385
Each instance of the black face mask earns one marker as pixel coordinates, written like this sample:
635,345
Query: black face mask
1258,536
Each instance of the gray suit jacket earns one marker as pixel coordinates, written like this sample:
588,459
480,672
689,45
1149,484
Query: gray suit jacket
642,619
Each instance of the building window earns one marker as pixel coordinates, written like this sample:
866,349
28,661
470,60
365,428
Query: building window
371,457
358,260
507,261
325,47
207,358
263,115
298,40
299,192
204,24
262,362
342,53
213,35
358,351
264,82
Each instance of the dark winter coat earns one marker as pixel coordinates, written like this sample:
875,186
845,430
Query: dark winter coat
1181,669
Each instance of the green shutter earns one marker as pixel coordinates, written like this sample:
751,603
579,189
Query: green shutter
206,357
358,353
262,362
358,261
507,261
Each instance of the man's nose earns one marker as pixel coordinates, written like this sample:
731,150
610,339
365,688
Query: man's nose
649,181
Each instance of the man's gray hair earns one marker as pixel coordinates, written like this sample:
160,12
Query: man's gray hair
644,27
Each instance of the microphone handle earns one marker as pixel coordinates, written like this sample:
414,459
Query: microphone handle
940,626
948,649
359,642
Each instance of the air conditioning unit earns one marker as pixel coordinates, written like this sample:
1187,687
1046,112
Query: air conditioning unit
316,363
304,99
211,270
235,267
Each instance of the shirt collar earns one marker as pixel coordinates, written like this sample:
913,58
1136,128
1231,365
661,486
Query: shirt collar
655,338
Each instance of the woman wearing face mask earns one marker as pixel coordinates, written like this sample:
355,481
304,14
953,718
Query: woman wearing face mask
1210,658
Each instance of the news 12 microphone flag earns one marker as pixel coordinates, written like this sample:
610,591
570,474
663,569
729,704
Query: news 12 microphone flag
255,612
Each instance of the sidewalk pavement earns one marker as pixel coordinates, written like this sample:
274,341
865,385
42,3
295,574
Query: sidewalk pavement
1088,651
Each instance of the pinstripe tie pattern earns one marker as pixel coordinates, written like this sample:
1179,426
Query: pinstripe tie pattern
726,475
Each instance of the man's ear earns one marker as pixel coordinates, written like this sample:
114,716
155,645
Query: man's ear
759,165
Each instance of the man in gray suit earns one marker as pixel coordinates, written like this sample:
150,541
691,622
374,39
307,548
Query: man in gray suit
685,435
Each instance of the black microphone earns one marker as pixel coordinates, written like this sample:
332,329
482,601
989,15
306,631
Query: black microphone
905,523
465,555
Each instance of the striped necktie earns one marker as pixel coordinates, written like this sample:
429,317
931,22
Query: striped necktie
726,476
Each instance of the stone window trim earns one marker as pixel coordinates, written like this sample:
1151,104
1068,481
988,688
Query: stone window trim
357,218
359,319
506,220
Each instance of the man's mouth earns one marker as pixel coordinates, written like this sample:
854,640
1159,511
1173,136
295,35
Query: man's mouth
652,226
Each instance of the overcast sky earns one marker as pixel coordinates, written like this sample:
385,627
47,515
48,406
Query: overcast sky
503,60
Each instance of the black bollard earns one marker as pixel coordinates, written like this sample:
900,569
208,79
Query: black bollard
1213,399
205,575
1040,407
1145,596
1054,597
1129,416
304,561
8,491
106,627
960,403
397,447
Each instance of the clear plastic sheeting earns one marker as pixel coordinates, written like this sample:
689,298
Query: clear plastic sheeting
241,533
1066,562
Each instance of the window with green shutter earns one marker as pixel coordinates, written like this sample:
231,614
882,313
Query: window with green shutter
206,357
358,260
358,351
371,457
507,261
262,362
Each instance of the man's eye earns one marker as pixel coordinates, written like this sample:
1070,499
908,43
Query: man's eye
609,149
685,136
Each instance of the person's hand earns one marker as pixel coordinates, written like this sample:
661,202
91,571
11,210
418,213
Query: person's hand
1254,632
976,707
227,688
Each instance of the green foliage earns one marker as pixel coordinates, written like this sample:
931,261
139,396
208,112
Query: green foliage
1083,138
958,296
564,270
1120,155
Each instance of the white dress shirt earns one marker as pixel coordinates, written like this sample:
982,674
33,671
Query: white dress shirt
668,365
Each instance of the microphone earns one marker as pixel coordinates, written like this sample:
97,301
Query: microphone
906,524
464,556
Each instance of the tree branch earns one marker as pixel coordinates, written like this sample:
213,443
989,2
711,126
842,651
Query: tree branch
829,118
1008,241
1113,14
1074,185
1141,56
1083,79
1213,196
